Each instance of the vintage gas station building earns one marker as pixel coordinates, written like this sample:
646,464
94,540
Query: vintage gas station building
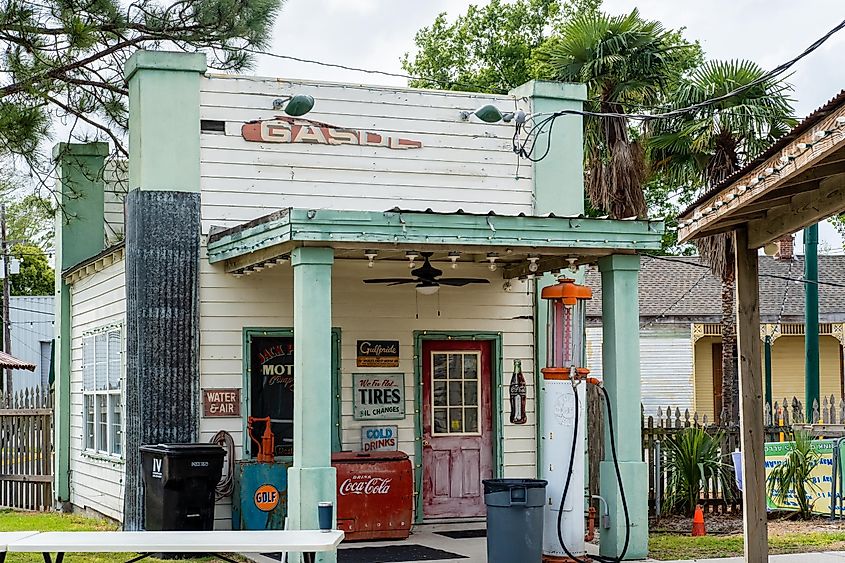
247,235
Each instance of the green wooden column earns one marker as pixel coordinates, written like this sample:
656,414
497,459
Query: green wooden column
559,189
312,479
79,235
621,373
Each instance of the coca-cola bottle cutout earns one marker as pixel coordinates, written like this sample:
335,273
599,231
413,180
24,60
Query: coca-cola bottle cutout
517,393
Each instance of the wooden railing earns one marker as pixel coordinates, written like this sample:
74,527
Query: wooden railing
26,450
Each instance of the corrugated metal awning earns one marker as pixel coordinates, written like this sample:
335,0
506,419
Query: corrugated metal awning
7,361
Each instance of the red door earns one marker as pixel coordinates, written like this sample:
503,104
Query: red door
457,427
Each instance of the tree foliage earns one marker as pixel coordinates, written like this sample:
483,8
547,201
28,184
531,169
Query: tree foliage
36,276
488,49
627,63
63,59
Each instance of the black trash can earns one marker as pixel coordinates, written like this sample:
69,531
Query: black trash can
514,519
179,485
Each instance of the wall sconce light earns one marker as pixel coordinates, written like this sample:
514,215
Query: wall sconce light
411,255
492,257
294,105
489,114
453,256
371,256
533,266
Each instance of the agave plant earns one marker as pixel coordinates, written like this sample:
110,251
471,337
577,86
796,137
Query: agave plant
693,461
793,475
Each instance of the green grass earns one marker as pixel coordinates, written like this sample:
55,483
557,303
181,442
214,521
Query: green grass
672,546
13,521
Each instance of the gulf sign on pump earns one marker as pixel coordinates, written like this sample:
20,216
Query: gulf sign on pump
282,129
266,497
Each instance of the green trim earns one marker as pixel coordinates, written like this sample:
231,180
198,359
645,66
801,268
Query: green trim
393,227
247,334
164,60
497,397
80,234
164,120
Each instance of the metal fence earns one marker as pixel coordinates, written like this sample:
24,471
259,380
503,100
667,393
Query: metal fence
26,450
668,421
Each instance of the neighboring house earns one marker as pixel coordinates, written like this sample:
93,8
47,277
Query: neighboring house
680,335
32,337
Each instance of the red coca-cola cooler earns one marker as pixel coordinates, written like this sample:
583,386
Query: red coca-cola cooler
375,494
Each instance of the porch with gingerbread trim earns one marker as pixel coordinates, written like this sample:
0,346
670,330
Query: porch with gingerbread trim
798,182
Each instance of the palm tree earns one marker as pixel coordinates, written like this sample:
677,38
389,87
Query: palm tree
627,63
703,148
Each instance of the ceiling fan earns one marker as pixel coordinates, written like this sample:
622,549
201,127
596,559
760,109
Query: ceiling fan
426,278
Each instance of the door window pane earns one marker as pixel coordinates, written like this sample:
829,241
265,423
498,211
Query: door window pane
460,392
470,420
438,362
439,390
456,421
455,366
440,424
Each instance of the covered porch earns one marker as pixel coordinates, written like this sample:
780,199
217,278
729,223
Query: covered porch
325,248
796,183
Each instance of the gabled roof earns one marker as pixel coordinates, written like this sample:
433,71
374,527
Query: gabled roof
678,287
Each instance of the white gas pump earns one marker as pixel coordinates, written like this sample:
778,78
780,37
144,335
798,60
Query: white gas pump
563,460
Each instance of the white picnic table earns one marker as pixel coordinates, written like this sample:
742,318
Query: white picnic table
307,542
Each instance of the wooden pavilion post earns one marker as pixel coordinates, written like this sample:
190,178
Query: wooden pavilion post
751,400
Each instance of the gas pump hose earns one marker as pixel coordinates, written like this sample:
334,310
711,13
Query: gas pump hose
599,558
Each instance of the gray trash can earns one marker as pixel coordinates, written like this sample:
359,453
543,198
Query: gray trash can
514,519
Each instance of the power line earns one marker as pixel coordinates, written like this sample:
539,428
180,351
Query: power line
677,301
368,70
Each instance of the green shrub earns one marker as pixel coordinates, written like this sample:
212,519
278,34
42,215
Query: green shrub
693,459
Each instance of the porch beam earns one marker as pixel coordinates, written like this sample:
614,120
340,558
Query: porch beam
312,479
621,377
804,209
329,228
751,399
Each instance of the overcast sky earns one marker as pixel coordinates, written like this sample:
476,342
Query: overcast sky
374,34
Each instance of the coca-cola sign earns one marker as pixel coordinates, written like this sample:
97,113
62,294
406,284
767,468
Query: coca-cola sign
364,485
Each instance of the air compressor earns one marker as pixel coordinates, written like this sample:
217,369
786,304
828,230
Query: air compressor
564,380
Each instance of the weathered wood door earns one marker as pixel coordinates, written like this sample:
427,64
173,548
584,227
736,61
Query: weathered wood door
457,427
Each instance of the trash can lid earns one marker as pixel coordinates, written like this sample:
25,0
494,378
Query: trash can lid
498,485
184,449
366,457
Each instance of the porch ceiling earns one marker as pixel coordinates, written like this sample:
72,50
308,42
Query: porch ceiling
798,182
553,240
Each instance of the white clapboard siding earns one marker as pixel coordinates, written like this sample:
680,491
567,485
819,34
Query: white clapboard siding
462,164
666,366
365,312
97,301
116,178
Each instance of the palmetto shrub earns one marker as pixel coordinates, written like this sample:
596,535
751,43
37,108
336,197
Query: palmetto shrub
693,462
793,475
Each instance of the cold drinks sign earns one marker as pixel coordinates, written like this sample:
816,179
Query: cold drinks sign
378,397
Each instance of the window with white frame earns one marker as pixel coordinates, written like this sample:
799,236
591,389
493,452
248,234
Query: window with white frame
102,401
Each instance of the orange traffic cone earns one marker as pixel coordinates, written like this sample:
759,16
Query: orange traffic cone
698,522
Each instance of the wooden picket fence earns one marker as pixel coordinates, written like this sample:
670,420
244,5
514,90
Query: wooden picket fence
26,450
667,421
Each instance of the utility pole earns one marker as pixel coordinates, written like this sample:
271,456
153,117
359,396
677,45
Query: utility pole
7,333
811,319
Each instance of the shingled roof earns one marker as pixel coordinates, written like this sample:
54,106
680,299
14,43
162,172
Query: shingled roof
679,289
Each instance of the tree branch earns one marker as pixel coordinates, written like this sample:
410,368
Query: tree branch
118,144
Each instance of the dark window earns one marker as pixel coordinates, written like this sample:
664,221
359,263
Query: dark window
271,393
